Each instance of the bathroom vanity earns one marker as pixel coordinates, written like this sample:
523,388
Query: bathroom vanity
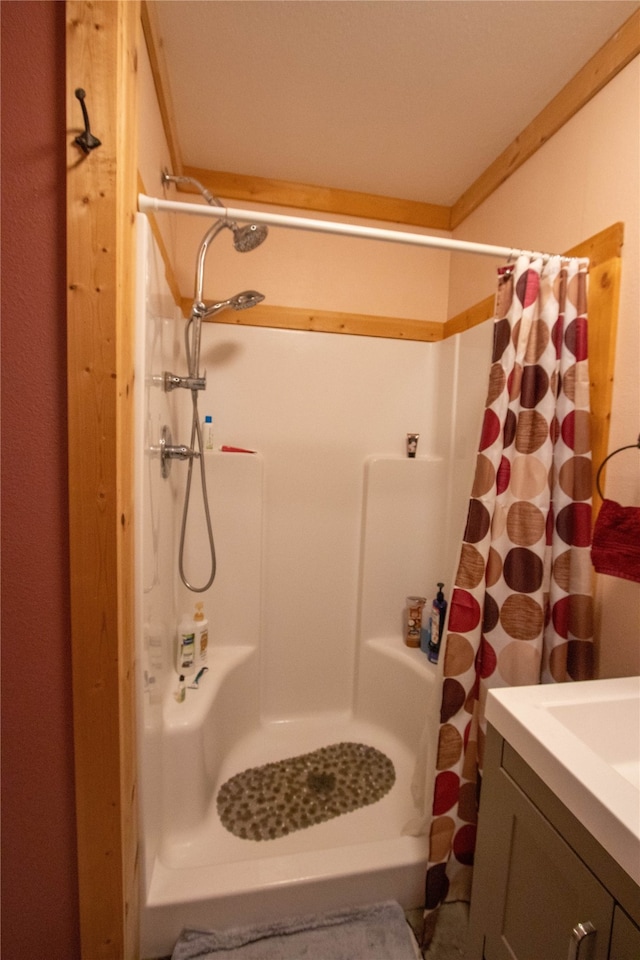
557,867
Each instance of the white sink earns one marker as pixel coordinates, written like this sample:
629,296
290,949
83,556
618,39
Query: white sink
583,740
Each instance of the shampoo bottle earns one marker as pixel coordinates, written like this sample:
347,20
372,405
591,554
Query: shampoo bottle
186,650
432,635
202,634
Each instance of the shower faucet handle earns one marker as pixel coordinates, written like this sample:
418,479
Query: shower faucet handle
171,381
168,452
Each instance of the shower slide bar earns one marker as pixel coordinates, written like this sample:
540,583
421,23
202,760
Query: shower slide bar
156,205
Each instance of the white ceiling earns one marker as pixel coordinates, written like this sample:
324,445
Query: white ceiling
405,98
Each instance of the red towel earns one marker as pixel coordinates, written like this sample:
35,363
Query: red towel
615,549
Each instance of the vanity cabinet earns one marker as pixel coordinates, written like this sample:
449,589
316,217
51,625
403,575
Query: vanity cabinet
543,887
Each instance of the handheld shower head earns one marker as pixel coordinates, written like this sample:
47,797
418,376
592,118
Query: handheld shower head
248,237
241,301
246,300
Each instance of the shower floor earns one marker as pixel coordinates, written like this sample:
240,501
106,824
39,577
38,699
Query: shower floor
211,843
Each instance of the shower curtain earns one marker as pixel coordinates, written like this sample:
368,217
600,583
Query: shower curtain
521,608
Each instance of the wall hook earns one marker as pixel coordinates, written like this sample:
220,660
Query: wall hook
86,141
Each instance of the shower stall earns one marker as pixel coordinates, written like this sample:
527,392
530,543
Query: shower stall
321,533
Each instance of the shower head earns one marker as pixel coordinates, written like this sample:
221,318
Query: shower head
248,237
244,238
241,301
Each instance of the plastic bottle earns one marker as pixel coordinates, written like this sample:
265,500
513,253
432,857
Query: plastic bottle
181,692
413,620
207,433
202,634
433,629
186,649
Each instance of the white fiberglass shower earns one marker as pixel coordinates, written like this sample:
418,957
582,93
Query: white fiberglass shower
321,533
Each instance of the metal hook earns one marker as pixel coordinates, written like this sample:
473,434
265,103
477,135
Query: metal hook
629,446
86,141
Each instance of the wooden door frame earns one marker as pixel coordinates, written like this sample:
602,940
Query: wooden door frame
101,58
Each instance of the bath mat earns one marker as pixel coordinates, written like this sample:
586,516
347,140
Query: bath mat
377,932
264,803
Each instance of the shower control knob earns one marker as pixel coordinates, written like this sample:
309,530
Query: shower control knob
171,381
167,452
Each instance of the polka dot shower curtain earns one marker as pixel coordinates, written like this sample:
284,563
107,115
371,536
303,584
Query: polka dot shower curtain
521,608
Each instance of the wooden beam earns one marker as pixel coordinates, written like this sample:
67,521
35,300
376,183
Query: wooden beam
305,196
619,50
601,246
328,321
155,49
604,298
101,57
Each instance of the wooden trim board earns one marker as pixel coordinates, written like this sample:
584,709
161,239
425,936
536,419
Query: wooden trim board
101,57
330,321
306,196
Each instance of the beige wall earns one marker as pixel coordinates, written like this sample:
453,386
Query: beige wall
584,179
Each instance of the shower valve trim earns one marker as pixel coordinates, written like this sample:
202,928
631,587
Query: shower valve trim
172,380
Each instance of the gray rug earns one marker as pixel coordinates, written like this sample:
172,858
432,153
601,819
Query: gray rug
379,931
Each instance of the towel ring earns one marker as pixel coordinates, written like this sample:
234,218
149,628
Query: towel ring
629,446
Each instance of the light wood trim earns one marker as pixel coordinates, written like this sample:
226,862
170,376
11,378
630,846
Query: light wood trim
471,317
604,299
329,321
601,246
160,73
101,57
305,196
619,50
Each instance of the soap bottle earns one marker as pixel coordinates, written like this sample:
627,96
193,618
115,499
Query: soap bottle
202,634
181,692
432,634
413,620
207,433
186,648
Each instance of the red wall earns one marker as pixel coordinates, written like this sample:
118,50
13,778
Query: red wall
39,875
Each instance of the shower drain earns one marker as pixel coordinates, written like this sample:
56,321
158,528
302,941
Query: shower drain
264,803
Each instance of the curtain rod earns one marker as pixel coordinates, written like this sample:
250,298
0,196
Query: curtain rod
156,205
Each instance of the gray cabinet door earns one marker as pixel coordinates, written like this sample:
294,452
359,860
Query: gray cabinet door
530,889
625,939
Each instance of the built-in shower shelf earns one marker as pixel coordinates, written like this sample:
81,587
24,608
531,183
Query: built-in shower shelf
396,648
192,712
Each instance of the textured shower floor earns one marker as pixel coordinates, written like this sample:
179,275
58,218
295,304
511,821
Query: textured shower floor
211,844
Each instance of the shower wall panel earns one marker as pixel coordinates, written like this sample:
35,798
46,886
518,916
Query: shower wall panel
157,349
316,406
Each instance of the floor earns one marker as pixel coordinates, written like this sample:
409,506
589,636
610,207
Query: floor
449,939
